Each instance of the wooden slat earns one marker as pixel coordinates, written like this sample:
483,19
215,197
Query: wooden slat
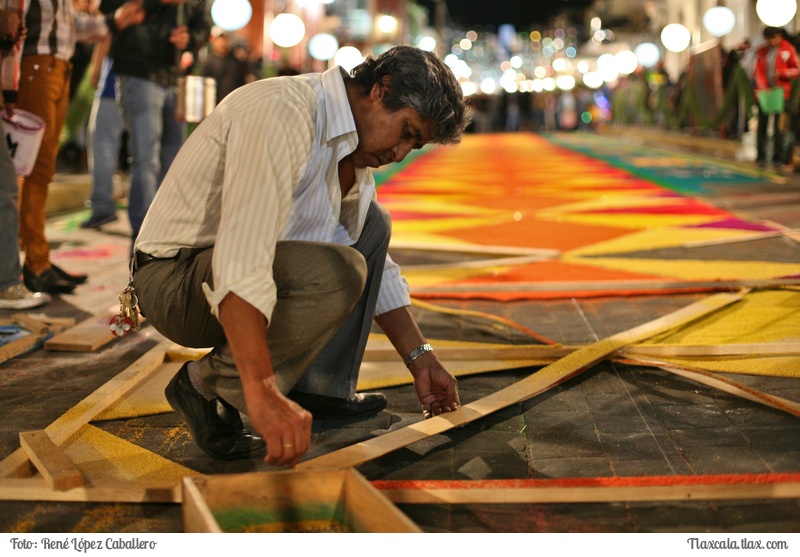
52,464
712,350
540,352
473,353
197,517
86,336
723,383
17,463
37,489
46,325
544,379
30,322
582,494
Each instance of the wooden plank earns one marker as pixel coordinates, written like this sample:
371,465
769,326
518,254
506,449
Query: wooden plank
196,515
17,463
476,353
30,322
86,336
544,379
37,489
35,339
723,383
540,352
673,488
371,509
711,350
52,464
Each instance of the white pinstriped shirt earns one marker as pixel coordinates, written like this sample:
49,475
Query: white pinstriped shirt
54,26
263,167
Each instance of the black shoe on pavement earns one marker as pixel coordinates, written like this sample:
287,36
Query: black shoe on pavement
48,281
96,221
69,277
360,405
215,425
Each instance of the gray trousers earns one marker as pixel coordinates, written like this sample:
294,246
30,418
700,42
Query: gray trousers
327,295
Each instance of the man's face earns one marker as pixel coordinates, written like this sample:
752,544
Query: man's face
385,136
774,40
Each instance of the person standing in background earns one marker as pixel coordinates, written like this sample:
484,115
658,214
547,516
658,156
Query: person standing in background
13,294
106,130
775,67
53,29
221,63
147,64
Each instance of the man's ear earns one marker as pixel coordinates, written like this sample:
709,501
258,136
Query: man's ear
380,89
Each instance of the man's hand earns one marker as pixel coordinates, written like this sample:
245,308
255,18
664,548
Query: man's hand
130,13
436,387
284,425
180,37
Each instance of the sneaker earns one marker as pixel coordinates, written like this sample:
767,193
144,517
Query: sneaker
19,297
96,221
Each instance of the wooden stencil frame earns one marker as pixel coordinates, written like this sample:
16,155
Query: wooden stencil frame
19,482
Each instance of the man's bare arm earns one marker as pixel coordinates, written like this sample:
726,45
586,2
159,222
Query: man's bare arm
284,425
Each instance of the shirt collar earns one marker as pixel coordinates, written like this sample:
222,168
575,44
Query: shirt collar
340,119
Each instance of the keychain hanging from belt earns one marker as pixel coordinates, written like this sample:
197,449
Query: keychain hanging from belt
128,318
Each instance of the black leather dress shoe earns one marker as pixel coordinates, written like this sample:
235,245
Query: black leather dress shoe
360,405
48,281
215,425
69,277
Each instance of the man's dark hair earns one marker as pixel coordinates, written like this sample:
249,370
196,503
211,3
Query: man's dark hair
772,32
421,81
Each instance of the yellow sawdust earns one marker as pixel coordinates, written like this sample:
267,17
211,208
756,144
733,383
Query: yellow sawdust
146,400
689,269
606,202
102,456
656,238
761,317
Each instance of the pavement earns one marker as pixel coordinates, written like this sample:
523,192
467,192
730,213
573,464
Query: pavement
610,421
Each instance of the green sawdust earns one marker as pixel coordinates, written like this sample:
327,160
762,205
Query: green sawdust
314,517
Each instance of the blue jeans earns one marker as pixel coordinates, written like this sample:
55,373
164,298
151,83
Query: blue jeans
106,129
155,138
9,219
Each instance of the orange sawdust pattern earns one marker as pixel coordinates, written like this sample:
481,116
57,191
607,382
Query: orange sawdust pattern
522,191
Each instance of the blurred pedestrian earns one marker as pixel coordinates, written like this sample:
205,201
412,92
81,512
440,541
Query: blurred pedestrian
13,294
776,66
228,71
53,29
147,61
106,131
